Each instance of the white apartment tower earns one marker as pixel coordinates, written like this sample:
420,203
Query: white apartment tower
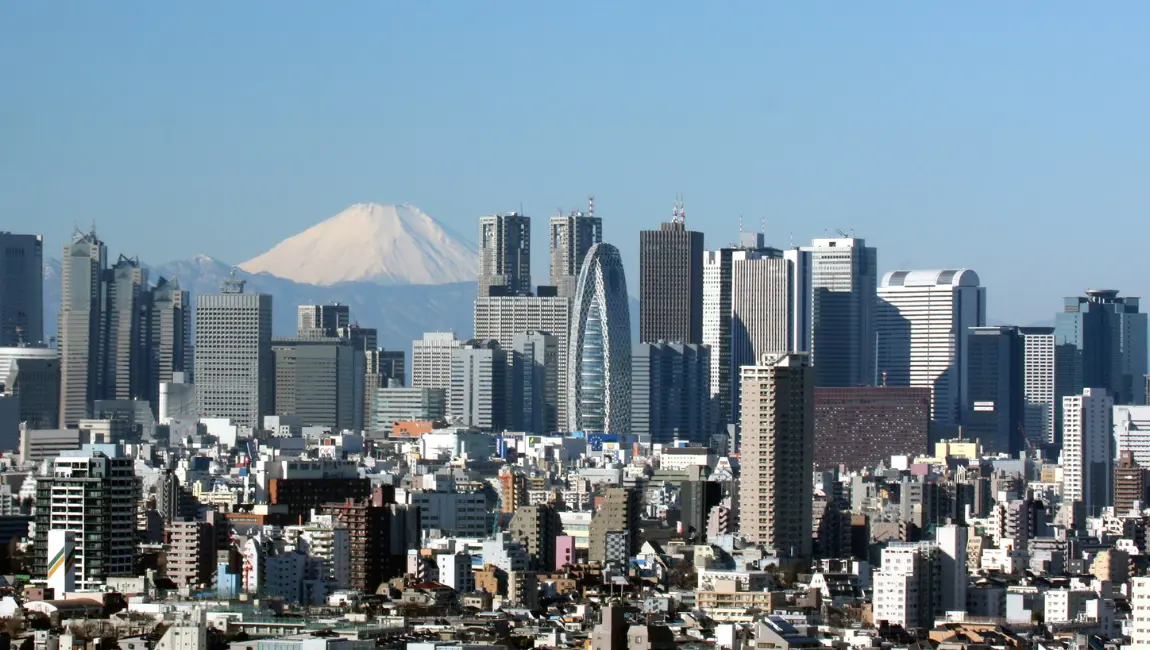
1039,391
1140,620
1087,458
844,278
920,330
431,360
94,497
235,369
81,326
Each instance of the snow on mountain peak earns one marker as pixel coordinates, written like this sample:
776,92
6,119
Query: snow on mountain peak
384,244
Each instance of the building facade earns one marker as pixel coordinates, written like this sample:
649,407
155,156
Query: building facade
505,255
921,334
399,404
431,360
536,382
1107,338
320,380
995,407
863,426
844,278
235,369
21,289
777,454
81,326
571,236
478,396
670,392
1087,456
599,357
671,282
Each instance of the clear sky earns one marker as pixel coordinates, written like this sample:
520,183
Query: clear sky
1011,138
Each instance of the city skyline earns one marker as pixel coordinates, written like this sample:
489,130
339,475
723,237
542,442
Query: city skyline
844,107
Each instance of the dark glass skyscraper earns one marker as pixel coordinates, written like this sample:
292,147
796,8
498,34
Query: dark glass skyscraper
994,411
671,283
671,392
21,289
1108,335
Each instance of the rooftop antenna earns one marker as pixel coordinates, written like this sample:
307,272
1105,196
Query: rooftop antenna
682,210
840,232
740,224
591,206
763,225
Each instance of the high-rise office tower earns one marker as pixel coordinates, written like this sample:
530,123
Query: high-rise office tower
717,287
536,368
125,359
921,326
670,388
671,282
777,453
1041,393
95,497
1087,459
844,278
502,318
81,326
1108,335
168,347
320,380
322,320
571,237
599,358
505,255
431,360
478,395
994,407
235,369
614,531
21,289
400,404
770,308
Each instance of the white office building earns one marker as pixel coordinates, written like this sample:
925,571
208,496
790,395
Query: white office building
920,330
399,404
1140,618
844,279
1087,464
1132,432
235,369
1039,392
431,360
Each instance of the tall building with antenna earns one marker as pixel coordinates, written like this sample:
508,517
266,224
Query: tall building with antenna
671,281
571,236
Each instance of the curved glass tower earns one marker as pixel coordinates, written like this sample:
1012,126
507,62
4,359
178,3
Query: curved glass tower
599,357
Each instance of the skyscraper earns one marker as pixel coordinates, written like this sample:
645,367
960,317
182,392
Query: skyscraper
717,286
1109,337
536,382
1041,393
994,408
777,453
21,289
614,530
770,308
322,320
125,362
862,426
921,331
671,282
599,360
320,380
235,369
502,318
505,255
168,346
1087,459
571,237
81,326
431,360
478,395
670,386
844,279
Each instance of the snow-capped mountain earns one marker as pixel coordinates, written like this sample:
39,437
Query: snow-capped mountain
369,242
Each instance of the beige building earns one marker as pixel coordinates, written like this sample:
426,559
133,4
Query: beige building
777,421
615,526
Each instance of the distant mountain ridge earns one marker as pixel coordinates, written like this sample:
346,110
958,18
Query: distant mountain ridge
370,242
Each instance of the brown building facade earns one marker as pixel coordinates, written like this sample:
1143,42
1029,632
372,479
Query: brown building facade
858,427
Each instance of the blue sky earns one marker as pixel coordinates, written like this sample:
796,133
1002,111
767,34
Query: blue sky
1006,137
